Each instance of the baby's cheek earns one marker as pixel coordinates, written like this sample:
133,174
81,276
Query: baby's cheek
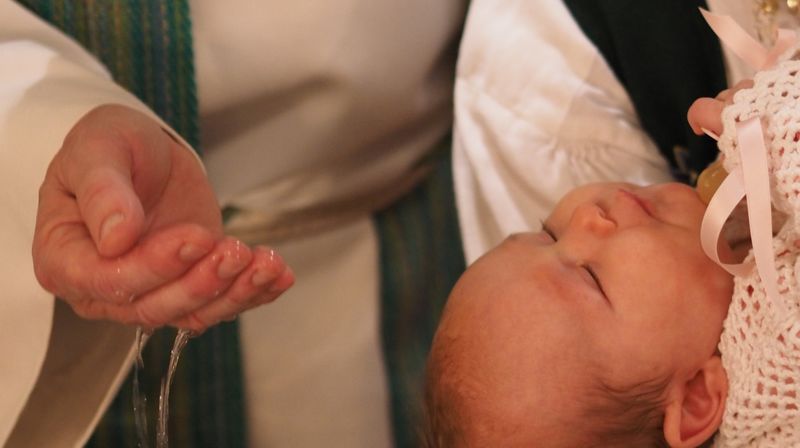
642,351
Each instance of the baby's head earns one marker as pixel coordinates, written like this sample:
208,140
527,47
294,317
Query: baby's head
600,330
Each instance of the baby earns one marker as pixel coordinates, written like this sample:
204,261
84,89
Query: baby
611,314
612,328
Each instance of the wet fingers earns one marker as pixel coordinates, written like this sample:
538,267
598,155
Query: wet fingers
264,280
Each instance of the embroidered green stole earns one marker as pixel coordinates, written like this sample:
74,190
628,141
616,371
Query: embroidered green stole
666,56
147,46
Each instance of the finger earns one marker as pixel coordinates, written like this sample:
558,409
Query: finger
728,94
68,265
264,280
706,113
111,210
209,279
113,160
725,95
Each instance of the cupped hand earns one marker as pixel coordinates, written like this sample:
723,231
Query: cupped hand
128,229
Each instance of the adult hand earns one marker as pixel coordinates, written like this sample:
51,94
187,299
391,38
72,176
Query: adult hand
706,113
128,229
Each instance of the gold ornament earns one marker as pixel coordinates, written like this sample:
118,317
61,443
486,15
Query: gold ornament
768,6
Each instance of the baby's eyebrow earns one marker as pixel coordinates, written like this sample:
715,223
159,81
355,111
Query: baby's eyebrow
588,268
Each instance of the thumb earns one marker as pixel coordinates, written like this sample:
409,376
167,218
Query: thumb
103,165
110,208
706,113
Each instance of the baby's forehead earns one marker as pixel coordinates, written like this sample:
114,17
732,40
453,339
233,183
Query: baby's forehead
514,278
515,317
520,361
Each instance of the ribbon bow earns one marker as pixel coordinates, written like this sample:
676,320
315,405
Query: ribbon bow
751,178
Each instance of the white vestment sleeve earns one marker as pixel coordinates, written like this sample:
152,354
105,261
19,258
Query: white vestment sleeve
538,112
47,82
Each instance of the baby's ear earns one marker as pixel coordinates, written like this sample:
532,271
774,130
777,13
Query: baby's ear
695,408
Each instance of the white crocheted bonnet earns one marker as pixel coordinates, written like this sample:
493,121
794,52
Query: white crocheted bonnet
760,346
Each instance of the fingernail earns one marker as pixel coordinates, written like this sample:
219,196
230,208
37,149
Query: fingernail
710,133
190,252
234,259
109,224
229,267
261,277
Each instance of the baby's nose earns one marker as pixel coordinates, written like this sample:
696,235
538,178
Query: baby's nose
593,219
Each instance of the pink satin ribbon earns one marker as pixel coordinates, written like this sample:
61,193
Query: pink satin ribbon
751,179
748,49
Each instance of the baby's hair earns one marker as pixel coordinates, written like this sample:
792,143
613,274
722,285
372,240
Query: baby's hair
613,416
440,425
632,415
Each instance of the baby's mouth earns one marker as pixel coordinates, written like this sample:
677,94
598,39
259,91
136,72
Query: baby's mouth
643,204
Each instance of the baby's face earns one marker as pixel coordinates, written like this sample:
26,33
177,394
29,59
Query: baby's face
617,286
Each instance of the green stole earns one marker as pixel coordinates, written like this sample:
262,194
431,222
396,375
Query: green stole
421,258
666,56
147,46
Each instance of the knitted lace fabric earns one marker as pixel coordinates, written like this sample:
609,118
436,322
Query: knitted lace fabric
761,347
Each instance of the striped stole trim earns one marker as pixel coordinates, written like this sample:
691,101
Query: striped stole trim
420,260
146,45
